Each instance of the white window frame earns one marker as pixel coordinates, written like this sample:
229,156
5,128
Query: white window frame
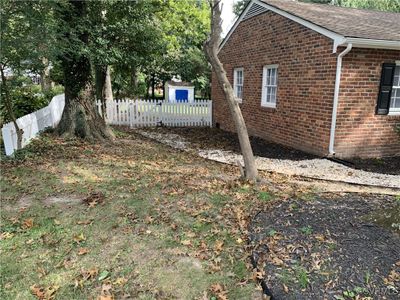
236,85
395,110
266,98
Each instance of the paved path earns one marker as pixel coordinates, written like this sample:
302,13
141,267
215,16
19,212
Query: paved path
318,168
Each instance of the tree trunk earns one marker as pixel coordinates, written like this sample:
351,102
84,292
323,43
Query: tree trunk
46,83
148,83
134,79
80,117
163,89
107,93
211,49
100,78
8,105
153,86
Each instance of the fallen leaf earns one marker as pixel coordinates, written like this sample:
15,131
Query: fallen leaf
6,235
218,246
83,251
38,291
79,238
285,288
85,222
186,242
120,281
219,291
44,293
93,199
28,223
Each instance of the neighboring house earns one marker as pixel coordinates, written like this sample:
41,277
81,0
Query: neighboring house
319,78
178,91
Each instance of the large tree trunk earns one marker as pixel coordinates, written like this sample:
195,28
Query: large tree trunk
80,117
9,108
211,49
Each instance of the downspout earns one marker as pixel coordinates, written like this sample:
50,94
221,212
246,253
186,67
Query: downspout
336,98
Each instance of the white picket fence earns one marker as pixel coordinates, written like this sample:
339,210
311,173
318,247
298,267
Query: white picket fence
134,113
142,113
33,124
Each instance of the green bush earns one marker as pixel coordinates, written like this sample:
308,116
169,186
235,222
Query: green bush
26,97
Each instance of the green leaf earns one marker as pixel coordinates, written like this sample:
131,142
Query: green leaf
103,275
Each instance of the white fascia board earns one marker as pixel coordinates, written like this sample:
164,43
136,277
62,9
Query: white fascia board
374,44
337,38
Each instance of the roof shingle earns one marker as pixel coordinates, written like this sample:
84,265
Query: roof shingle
349,22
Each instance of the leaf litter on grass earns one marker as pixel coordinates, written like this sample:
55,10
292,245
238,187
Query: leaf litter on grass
160,229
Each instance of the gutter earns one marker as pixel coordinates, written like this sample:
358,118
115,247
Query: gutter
336,98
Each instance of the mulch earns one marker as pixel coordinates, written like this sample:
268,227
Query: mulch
218,138
327,248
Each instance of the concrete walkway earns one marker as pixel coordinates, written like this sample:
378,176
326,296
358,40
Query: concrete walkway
312,168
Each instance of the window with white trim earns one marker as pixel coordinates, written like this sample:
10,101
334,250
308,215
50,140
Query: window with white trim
394,107
269,86
238,83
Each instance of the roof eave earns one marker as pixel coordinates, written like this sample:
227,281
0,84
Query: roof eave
338,39
372,44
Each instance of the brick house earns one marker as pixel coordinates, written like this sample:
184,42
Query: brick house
319,78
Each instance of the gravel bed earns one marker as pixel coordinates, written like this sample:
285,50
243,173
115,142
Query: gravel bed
318,168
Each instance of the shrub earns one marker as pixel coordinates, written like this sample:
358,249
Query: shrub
26,97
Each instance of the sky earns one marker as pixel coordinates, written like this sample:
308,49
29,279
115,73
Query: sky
228,17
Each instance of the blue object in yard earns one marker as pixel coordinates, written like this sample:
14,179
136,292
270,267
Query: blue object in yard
181,95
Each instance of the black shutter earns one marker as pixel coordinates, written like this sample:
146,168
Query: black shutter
385,89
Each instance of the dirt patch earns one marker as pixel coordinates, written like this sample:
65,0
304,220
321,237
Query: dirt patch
325,248
63,200
22,203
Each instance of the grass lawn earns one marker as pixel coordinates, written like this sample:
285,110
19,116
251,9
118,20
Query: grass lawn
129,220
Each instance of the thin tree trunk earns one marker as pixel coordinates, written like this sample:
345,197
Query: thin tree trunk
107,92
100,78
148,83
163,89
8,105
45,75
134,79
153,86
211,49
80,117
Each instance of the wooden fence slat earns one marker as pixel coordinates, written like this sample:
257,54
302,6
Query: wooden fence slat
142,113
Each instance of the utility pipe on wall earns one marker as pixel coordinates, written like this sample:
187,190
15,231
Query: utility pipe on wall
336,97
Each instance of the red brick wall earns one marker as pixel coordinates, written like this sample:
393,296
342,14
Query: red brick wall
306,75
359,132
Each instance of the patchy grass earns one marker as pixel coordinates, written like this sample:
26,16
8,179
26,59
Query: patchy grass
167,225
